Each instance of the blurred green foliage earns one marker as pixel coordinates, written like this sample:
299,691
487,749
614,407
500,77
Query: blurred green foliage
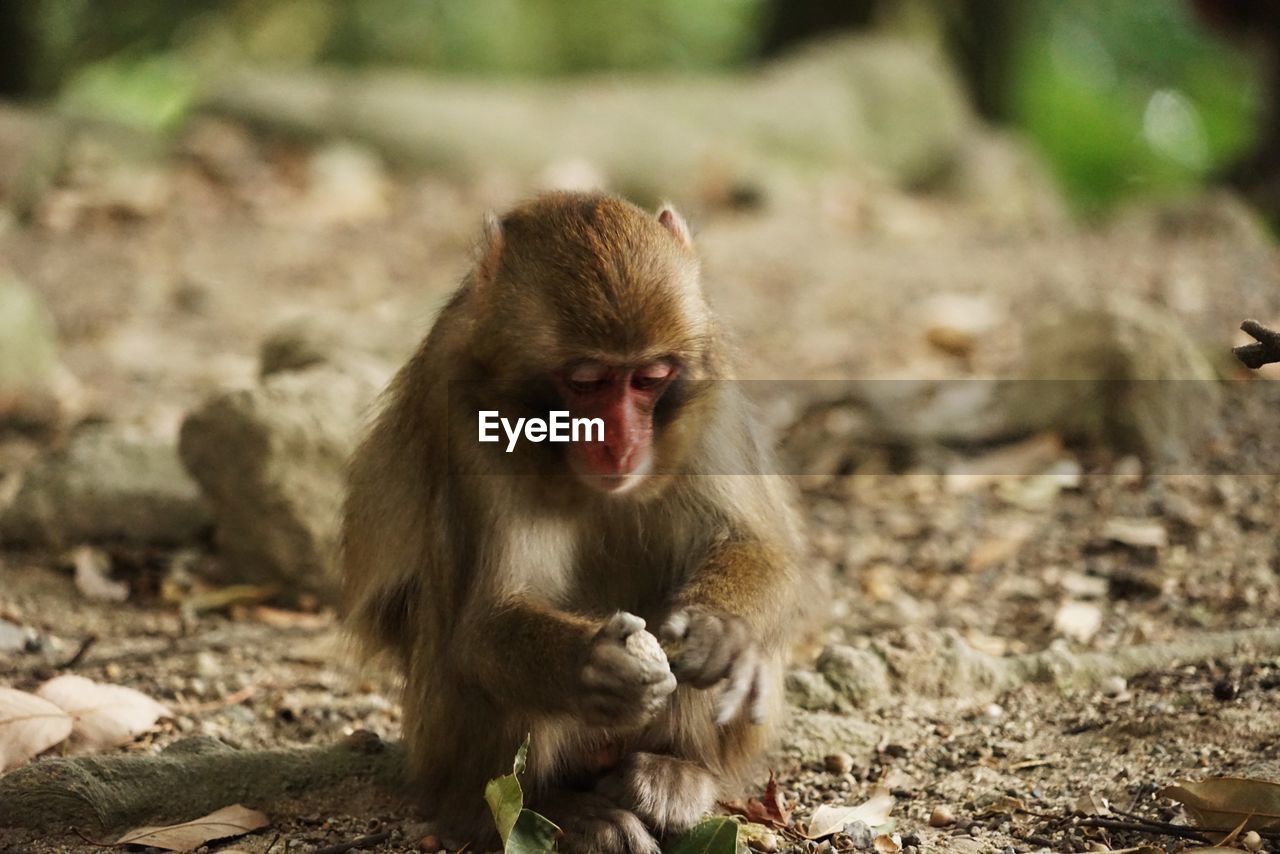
1123,97
1131,98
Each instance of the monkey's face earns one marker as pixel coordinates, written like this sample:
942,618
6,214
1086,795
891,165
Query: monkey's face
623,397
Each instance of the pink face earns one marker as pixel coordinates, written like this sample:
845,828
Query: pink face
623,397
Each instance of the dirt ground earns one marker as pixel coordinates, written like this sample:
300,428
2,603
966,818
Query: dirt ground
162,299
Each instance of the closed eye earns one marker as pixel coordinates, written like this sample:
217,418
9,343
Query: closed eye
653,376
587,378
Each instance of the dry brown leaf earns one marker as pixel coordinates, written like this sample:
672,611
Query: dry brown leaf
886,844
828,819
234,820
28,725
1091,804
215,599
770,809
104,715
1228,803
280,618
93,575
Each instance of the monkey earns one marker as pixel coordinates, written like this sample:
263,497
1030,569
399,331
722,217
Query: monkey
521,590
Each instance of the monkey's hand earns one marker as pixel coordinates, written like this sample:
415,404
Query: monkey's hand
626,678
708,646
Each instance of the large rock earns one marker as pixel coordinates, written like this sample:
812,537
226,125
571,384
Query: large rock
1126,374
272,462
107,486
890,106
36,391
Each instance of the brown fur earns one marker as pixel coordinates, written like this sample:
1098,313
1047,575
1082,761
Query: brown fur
486,576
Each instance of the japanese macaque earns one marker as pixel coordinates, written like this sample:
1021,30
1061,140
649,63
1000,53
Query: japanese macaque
516,586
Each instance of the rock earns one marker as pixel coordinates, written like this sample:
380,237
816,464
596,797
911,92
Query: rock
809,690
36,391
107,486
1007,186
1126,375
272,462
859,676
348,185
1114,686
941,816
956,323
838,762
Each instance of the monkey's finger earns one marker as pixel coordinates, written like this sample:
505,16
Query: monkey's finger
741,681
676,627
622,625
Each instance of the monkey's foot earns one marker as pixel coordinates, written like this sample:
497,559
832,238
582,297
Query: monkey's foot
669,794
593,824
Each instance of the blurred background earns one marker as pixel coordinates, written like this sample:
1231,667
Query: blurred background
224,224
1122,99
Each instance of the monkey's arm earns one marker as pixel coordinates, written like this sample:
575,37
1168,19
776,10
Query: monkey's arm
746,578
728,621
528,654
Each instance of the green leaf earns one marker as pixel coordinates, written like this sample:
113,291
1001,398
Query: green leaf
716,835
532,834
523,831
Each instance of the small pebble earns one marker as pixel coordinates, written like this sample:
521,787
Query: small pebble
941,816
765,842
113,671
993,712
1098,846
1114,686
1251,841
838,763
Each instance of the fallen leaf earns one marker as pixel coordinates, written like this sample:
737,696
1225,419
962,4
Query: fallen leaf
104,715
523,831
828,819
1091,804
235,820
28,725
215,599
769,809
1228,803
280,618
93,575
1030,456
1002,547
886,844
717,835
1136,533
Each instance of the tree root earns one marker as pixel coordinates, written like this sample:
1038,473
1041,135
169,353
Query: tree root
191,778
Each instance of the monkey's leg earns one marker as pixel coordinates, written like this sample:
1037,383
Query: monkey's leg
668,793
594,824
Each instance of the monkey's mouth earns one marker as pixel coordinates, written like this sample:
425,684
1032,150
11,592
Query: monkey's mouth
615,484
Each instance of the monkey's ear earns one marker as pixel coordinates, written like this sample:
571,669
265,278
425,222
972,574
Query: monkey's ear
671,220
489,251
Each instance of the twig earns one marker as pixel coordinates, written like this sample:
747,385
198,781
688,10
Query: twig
1163,828
80,653
362,842
95,843
1266,349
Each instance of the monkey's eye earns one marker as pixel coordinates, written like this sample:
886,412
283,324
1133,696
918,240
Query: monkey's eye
653,376
587,377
